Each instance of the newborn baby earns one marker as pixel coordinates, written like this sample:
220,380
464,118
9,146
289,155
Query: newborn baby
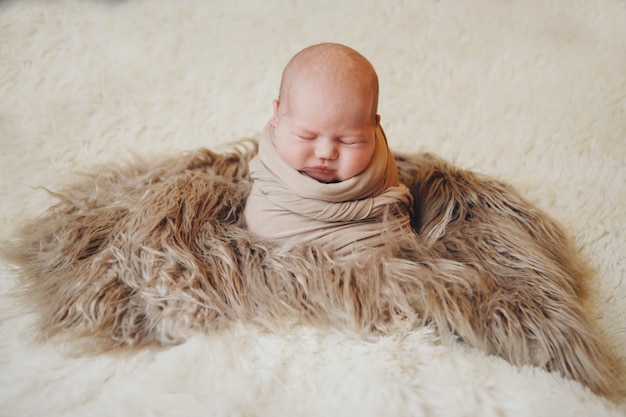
324,173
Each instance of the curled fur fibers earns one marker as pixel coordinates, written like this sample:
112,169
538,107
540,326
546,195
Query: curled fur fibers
150,253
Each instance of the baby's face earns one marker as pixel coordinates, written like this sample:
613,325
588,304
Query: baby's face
327,135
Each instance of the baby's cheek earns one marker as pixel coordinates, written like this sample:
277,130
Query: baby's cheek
360,161
293,155
367,157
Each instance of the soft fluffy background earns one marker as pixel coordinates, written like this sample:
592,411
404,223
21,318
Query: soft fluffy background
532,92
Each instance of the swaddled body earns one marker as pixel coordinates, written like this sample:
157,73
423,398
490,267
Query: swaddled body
287,206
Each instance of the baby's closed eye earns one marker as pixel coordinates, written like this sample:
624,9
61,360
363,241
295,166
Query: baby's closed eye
306,137
351,141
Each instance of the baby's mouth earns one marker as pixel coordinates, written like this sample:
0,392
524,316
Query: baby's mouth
321,174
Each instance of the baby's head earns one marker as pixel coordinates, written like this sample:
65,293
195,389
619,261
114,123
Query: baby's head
325,118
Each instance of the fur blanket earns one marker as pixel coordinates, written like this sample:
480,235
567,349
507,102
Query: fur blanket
150,253
526,91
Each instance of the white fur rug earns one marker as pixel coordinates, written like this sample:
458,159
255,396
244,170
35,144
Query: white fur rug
532,92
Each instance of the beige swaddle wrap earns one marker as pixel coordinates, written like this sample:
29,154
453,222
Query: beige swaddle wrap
288,206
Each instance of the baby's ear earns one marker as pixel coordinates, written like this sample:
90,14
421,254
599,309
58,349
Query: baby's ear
276,104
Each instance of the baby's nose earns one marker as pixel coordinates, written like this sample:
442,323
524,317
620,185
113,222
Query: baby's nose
326,149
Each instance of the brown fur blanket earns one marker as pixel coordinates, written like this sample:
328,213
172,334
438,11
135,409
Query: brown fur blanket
151,252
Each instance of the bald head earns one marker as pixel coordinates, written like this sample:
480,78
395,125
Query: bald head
332,67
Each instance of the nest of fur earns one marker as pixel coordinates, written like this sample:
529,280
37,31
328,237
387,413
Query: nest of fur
151,252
